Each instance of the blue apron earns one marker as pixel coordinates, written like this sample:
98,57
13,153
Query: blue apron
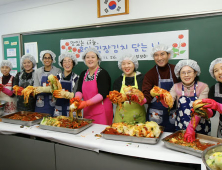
183,114
218,98
62,105
157,112
45,102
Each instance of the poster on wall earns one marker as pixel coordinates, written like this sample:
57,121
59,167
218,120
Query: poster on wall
140,45
32,48
11,52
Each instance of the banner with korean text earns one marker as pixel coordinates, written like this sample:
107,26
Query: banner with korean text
140,45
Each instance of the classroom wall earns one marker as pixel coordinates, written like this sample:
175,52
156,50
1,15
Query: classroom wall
29,15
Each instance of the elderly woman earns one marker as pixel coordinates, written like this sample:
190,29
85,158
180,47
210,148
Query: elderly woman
186,92
45,102
216,91
23,79
6,92
93,86
132,112
68,80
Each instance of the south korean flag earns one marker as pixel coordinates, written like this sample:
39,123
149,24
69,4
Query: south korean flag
110,7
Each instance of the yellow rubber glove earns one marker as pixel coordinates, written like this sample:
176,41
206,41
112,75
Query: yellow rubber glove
63,94
41,89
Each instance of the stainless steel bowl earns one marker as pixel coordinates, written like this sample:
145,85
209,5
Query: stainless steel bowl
2,107
207,152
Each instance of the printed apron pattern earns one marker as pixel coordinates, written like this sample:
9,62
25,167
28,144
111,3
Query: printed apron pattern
62,105
157,112
183,114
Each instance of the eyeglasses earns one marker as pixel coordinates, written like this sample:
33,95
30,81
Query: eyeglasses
47,58
187,73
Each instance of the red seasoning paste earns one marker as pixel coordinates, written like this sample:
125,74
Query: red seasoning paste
72,124
178,138
26,117
112,131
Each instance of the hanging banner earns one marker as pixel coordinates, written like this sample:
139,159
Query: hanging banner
140,45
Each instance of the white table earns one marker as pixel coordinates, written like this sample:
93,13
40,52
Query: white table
87,140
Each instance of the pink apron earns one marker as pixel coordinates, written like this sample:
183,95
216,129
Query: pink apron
101,112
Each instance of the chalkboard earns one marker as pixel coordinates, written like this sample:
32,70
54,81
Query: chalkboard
205,41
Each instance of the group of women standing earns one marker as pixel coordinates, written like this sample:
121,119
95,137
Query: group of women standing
94,84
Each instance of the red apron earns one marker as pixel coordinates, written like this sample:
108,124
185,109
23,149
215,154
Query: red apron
101,112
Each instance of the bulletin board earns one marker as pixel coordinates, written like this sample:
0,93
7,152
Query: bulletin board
205,41
12,51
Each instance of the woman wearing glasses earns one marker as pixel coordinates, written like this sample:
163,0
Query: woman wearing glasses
45,102
186,92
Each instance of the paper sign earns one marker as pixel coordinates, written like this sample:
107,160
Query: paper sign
32,48
13,43
6,42
11,52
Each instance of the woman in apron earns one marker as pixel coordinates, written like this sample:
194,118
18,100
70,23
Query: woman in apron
68,80
24,79
45,102
132,112
186,92
6,92
93,86
216,92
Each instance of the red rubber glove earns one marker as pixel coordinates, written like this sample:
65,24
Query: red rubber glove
82,105
213,105
209,113
161,99
135,99
190,133
7,91
1,87
74,99
96,99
